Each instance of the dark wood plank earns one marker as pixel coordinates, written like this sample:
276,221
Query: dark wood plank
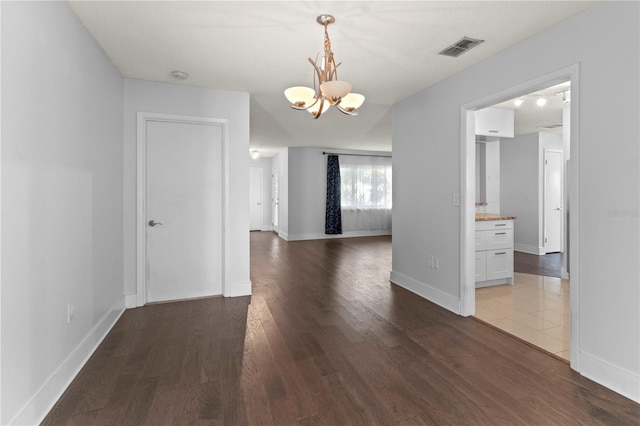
324,340
548,265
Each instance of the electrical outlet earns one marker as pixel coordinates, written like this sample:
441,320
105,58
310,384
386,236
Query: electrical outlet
456,200
71,312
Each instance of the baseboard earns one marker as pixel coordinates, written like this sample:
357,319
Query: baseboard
238,289
564,274
611,376
526,248
283,235
426,291
45,398
349,234
266,228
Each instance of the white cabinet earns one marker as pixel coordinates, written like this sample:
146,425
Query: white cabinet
481,266
495,121
494,252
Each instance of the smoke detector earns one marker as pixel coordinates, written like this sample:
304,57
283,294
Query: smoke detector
179,75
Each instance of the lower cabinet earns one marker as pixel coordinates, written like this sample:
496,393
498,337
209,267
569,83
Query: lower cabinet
494,253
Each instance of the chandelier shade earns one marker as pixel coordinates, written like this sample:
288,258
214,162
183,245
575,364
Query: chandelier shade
327,89
352,102
300,97
335,89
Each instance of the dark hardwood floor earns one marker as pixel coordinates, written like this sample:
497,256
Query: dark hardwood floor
548,265
325,339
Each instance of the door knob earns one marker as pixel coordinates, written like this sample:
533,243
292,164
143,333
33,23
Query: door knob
559,208
154,223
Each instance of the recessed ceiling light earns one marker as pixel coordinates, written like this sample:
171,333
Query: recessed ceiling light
518,102
541,101
179,75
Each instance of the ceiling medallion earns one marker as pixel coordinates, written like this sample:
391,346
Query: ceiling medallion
327,89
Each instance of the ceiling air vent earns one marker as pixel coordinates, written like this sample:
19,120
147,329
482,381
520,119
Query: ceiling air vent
551,126
461,46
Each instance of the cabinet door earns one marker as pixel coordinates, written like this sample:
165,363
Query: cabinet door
499,264
481,240
481,266
499,239
495,121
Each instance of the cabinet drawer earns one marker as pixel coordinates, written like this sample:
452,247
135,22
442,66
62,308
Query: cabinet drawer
481,266
498,239
499,264
481,240
499,224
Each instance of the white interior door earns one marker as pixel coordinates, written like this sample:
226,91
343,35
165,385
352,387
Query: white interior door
184,210
275,200
255,198
553,201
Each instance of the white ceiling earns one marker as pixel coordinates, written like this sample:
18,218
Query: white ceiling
388,49
531,118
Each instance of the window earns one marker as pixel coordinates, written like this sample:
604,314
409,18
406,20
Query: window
365,193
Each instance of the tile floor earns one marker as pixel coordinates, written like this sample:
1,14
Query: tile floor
535,309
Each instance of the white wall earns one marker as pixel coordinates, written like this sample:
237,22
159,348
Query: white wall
519,187
192,101
61,203
426,161
266,165
307,192
522,186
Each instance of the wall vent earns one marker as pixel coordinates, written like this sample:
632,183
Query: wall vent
461,46
551,126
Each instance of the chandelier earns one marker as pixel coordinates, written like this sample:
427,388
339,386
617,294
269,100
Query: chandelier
327,89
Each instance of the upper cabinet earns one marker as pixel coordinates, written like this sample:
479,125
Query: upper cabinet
495,121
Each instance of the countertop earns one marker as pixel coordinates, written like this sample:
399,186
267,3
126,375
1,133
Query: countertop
492,216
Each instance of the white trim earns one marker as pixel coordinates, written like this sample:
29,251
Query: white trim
141,228
348,234
130,301
0,207
283,235
37,408
467,174
467,212
564,274
237,289
617,379
266,228
527,248
426,291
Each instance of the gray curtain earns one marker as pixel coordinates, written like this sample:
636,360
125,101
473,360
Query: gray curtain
333,215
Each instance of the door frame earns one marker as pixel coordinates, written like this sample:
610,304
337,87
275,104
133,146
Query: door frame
260,187
467,189
544,198
141,186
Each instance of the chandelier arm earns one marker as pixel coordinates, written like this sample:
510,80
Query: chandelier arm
344,111
319,112
319,76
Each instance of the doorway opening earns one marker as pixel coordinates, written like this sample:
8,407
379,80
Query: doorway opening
526,175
